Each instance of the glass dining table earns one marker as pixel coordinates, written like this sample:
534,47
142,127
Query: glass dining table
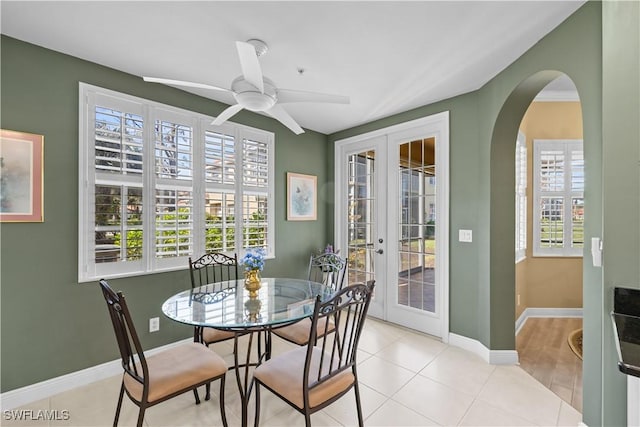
228,306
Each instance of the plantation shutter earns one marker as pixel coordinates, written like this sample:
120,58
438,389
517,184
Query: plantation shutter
173,189
559,198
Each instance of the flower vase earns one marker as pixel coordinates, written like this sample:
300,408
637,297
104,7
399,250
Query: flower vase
252,282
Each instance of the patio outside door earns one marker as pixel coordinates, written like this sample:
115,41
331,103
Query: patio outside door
392,220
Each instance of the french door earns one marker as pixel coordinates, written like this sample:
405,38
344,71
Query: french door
392,220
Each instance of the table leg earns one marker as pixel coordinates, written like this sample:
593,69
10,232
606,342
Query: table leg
244,382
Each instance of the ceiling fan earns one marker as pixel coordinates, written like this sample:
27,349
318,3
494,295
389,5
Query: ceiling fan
255,92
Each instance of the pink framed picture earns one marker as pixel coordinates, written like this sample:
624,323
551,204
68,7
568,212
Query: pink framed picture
21,176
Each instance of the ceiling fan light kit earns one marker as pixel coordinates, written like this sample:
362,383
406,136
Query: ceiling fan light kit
254,92
250,98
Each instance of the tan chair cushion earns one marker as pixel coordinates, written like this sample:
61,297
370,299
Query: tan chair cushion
211,335
299,332
283,374
177,369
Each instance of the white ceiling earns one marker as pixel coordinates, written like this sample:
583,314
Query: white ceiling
388,57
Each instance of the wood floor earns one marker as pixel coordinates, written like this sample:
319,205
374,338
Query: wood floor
545,354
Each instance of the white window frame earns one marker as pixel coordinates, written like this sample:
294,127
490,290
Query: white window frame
521,197
567,194
88,269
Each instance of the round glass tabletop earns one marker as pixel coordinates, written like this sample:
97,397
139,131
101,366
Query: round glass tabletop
227,305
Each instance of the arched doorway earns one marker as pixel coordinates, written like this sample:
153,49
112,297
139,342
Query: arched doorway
502,206
502,218
550,240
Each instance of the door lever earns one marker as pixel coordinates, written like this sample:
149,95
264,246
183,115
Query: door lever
380,251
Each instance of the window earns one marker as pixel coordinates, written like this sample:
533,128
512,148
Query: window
159,184
521,197
559,198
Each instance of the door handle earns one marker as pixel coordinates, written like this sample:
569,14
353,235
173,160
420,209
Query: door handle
380,251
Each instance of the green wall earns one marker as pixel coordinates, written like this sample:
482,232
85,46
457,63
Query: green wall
50,324
621,178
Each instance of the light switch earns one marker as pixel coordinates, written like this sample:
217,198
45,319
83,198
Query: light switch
596,251
465,236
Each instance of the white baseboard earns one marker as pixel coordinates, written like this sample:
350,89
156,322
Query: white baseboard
494,357
545,312
42,390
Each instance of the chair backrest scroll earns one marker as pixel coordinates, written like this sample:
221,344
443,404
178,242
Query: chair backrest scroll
213,267
328,269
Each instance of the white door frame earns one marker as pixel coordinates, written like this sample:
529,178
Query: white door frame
442,201
379,144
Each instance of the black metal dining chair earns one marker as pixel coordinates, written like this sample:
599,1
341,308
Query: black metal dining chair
148,381
312,377
328,269
211,268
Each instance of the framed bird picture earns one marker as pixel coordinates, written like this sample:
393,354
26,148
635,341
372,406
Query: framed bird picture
301,197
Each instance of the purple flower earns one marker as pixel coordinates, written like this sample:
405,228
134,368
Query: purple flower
329,249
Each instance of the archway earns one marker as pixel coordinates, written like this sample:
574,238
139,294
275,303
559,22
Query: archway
502,207
550,222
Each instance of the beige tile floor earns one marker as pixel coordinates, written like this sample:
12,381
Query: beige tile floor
406,378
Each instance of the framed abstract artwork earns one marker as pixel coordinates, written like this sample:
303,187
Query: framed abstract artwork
301,197
21,176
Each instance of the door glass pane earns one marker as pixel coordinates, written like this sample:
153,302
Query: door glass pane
417,224
361,217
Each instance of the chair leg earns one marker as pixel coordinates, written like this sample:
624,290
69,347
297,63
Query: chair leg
356,390
207,387
223,412
140,416
257,387
115,420
307,418
195,393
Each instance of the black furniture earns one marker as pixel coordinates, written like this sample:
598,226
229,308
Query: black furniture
228,306
212,268
312,377
329,269
626,324
152,380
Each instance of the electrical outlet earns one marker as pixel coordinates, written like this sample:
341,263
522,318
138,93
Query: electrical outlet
154,324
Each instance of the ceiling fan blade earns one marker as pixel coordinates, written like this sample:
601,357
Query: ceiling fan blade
226,114
279,113
250,65
289,95
183,83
